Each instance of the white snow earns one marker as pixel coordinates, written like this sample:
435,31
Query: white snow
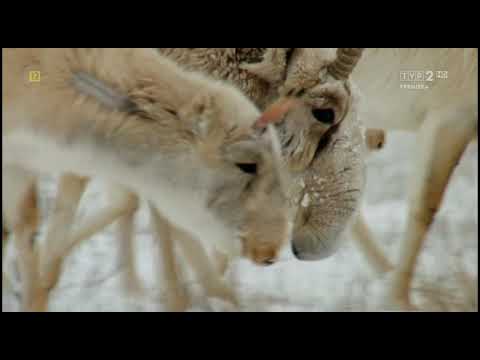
344,282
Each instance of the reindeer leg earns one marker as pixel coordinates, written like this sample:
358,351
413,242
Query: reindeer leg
21,211
5,234
374,141
177,299
365,241
443,139
209,275
124,205
125,230
70,191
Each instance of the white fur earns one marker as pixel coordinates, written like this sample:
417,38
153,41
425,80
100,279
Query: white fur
185,209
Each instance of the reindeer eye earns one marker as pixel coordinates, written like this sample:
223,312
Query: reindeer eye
249,168
325,116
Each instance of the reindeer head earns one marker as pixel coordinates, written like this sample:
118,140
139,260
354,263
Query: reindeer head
321,141
250,194
243,176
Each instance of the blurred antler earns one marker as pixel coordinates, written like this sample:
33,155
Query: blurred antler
347,59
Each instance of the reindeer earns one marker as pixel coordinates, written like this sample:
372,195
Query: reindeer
132,117
445,117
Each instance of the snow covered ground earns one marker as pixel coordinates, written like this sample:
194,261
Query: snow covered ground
344,282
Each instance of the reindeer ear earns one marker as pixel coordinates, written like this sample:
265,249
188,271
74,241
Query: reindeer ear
201,114
275,112
273,66
374,138
104,93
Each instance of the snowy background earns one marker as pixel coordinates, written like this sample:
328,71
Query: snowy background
92,280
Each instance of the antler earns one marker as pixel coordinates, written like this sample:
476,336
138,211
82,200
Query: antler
347,59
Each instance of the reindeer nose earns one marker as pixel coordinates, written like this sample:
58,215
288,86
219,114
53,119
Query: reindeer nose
268,262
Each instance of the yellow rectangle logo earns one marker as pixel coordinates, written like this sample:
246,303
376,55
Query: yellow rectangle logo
34,76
